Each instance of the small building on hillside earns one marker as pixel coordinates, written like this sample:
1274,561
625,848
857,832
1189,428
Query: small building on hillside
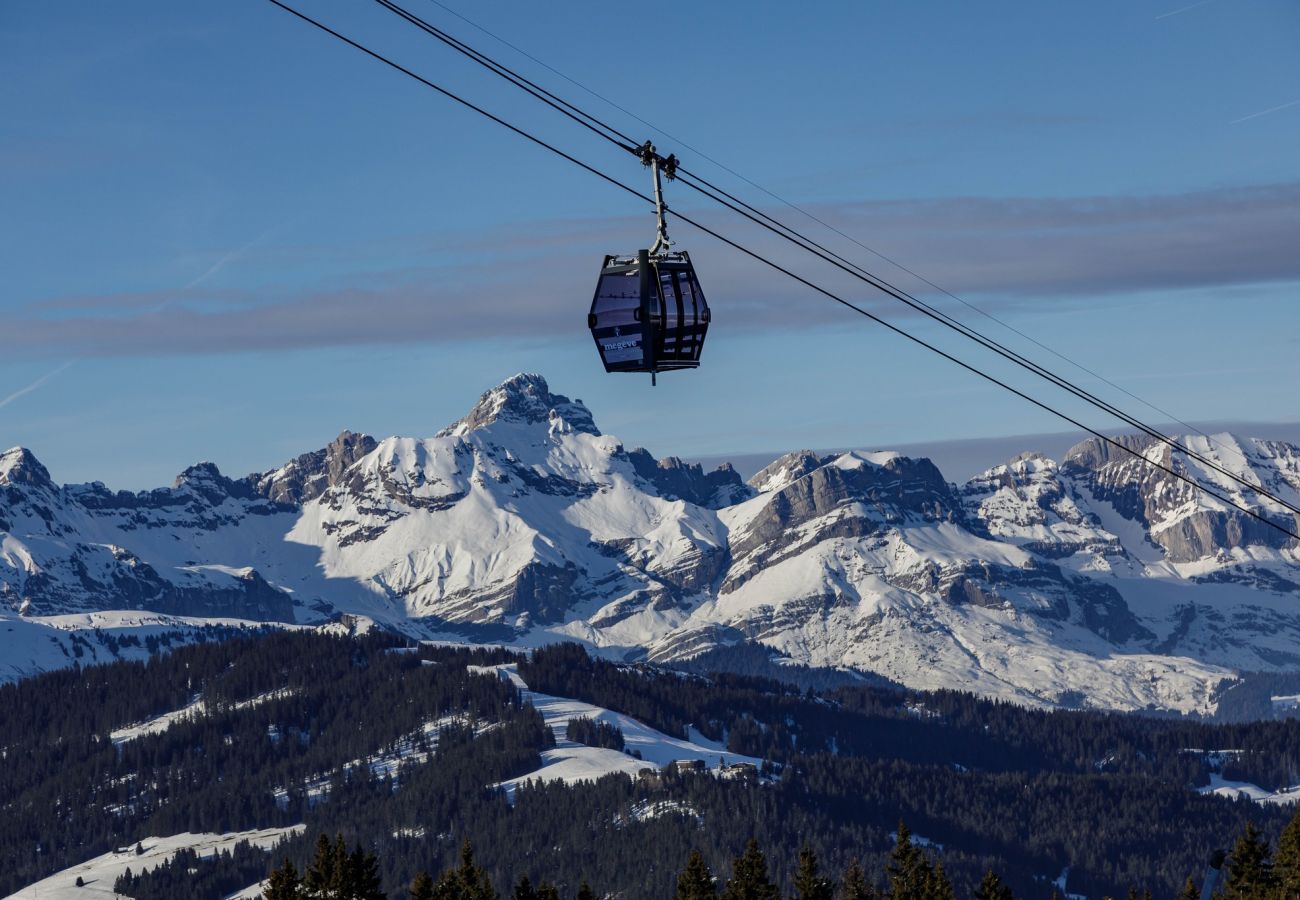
688,766
741,771
651,778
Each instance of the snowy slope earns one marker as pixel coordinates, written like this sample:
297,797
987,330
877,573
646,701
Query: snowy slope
570,762
100,872
1094,580
195,709
33,644
1243,790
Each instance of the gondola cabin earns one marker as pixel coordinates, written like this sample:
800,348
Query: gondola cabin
649,313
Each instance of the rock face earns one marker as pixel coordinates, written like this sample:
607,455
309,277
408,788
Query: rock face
311,474
83,548
1186,523
677,480
1098,581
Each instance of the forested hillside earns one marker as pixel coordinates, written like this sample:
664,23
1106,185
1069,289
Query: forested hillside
398,748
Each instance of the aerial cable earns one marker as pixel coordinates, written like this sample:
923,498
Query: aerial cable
785,271
561,105
968,332
987,377
456,97
595,125
818,220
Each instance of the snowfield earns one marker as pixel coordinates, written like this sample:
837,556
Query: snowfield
30,645
100,873
1242,790
571,762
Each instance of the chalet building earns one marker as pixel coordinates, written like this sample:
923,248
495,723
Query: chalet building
688,766
741,771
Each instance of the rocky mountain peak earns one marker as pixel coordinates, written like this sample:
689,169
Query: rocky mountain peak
1094,453
678,480
1032,461
308,476
527,399
19,466
206,481
786,470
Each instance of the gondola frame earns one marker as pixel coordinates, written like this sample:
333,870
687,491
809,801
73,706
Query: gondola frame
651,327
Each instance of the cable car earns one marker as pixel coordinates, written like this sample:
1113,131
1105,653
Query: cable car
649,314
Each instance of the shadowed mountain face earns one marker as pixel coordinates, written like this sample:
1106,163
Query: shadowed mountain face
1099,580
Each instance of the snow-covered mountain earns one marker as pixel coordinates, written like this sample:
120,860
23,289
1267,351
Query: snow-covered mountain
1093,581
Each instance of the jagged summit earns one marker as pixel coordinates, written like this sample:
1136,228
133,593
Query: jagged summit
785,470
200,476
676,479
309,475
19,466
524,398
204,480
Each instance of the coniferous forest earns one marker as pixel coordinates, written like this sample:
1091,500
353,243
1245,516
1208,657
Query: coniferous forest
388,754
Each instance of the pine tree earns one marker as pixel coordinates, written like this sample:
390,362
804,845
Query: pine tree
854,884
939,887
1250,873
284,883
992,888
524,890
695,881
585,892
1286,863
910,874
749,879
1190,890
448,887
547,891
422,887
322,876
362,880
340,881
808,883
468,882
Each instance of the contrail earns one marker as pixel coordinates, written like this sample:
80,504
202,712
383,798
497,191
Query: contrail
22,392
225,260
1263,112
1174,12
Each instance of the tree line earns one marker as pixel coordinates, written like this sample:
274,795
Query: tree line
1254,871
297,726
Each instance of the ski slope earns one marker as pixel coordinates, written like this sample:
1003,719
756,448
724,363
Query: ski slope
100,873
570,762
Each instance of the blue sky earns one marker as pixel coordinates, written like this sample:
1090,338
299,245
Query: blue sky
228,237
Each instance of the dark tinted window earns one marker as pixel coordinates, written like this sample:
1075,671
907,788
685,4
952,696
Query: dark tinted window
617,299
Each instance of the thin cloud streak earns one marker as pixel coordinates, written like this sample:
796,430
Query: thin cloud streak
36,385
1264,112
225,260
232,256
1175,12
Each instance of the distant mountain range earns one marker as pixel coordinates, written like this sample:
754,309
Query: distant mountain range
1094,580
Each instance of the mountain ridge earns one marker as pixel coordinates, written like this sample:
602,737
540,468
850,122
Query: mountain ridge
1093,581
